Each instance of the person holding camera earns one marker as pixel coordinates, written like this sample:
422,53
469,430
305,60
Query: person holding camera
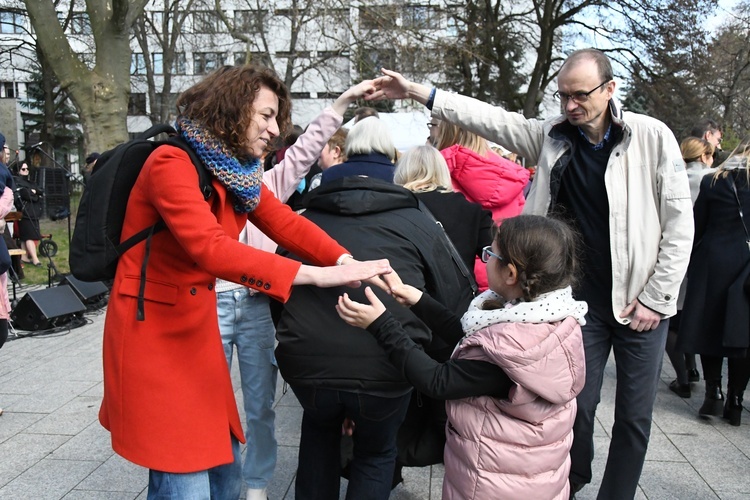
28,201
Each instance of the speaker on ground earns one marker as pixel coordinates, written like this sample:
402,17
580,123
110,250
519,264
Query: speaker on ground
45,309
89,292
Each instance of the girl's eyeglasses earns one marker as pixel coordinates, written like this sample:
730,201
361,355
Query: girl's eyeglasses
487,253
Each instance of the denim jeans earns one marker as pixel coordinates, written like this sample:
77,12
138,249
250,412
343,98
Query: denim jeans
245,323
376,419
638,358
218,483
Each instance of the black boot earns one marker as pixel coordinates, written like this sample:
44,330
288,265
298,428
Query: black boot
733,407
714,400
693,375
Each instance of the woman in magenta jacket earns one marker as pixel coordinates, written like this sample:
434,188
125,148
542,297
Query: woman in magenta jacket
483,177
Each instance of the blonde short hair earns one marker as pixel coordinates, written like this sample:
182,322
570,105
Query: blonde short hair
693,149
423,169
370,135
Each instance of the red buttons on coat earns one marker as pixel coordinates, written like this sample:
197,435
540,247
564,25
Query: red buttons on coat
193,291
252,281
259,283
243,279
210,286
267,286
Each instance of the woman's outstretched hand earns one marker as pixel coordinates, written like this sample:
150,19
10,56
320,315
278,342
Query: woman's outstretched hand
351,274
358,314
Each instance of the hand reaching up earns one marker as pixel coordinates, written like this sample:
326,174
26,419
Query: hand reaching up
393,85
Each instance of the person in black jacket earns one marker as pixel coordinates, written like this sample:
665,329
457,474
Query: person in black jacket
338,371
423,170
715,320
28,201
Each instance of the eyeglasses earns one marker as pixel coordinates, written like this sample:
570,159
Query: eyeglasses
578,97
487,253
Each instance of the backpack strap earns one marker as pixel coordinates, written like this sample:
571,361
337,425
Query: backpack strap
204,177
204,182
154,130
454,253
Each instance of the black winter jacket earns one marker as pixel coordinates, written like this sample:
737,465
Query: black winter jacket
374,220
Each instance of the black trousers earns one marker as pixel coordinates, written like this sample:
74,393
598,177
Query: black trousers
738,372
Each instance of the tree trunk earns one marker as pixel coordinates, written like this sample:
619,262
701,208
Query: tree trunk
100,95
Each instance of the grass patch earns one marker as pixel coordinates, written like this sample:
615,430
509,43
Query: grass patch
59,230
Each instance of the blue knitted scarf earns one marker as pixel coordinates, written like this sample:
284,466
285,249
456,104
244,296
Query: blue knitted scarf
242,180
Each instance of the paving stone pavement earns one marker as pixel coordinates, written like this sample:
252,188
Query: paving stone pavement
52,446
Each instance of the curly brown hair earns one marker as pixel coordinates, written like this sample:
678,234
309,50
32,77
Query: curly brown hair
223,103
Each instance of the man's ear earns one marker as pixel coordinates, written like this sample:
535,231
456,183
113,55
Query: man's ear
337,152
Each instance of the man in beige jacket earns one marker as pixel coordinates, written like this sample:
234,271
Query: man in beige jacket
620,180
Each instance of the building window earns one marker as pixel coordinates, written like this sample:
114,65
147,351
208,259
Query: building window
206,21
79,24
378,17
205,62
137,64
10,89
241,58
157,18
171,102
249,21
420,17
137,104
12,22
157,62
298,54
179,64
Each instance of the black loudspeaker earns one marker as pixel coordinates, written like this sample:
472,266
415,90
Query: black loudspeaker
48,308
89,292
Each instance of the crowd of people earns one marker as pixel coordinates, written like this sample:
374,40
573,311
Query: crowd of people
424,306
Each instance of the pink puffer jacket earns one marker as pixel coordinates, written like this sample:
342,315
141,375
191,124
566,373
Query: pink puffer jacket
517,447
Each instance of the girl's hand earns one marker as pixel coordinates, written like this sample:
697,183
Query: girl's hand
358,91
406,295
357,314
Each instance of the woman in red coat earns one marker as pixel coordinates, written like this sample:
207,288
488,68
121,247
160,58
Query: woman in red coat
168,399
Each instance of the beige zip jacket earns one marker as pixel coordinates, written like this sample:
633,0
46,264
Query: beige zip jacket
650,210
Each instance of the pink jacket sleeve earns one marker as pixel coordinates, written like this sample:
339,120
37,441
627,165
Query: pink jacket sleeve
6,204
6,201
283,179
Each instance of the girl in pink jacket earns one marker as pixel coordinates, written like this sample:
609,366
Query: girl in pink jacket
483,177
513,378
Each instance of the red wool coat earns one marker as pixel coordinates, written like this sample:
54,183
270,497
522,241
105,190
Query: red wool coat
168,398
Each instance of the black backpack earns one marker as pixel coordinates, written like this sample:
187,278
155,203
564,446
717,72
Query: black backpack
96,246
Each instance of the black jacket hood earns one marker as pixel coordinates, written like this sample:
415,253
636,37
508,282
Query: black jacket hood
359,196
